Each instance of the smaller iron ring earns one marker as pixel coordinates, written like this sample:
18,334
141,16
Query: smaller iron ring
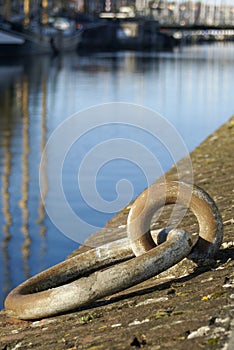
192,197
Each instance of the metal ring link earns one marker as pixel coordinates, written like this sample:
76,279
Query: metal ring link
52,292
188,196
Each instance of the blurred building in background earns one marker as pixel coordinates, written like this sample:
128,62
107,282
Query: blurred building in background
217,12
177,11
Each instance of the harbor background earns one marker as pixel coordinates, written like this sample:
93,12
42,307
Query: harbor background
28,27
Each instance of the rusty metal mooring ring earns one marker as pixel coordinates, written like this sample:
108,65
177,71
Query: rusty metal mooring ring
77,282
46,294
171,192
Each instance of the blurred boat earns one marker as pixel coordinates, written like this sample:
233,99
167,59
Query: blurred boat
57,36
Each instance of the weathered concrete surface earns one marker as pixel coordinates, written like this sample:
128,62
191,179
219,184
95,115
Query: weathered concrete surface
184,308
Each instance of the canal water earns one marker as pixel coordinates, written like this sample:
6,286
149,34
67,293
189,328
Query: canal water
191,88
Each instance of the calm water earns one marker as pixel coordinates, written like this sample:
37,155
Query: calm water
192,88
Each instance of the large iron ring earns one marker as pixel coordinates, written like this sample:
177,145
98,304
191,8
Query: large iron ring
57,290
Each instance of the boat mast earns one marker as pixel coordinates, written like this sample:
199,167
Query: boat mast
26,12
7,10
44,5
